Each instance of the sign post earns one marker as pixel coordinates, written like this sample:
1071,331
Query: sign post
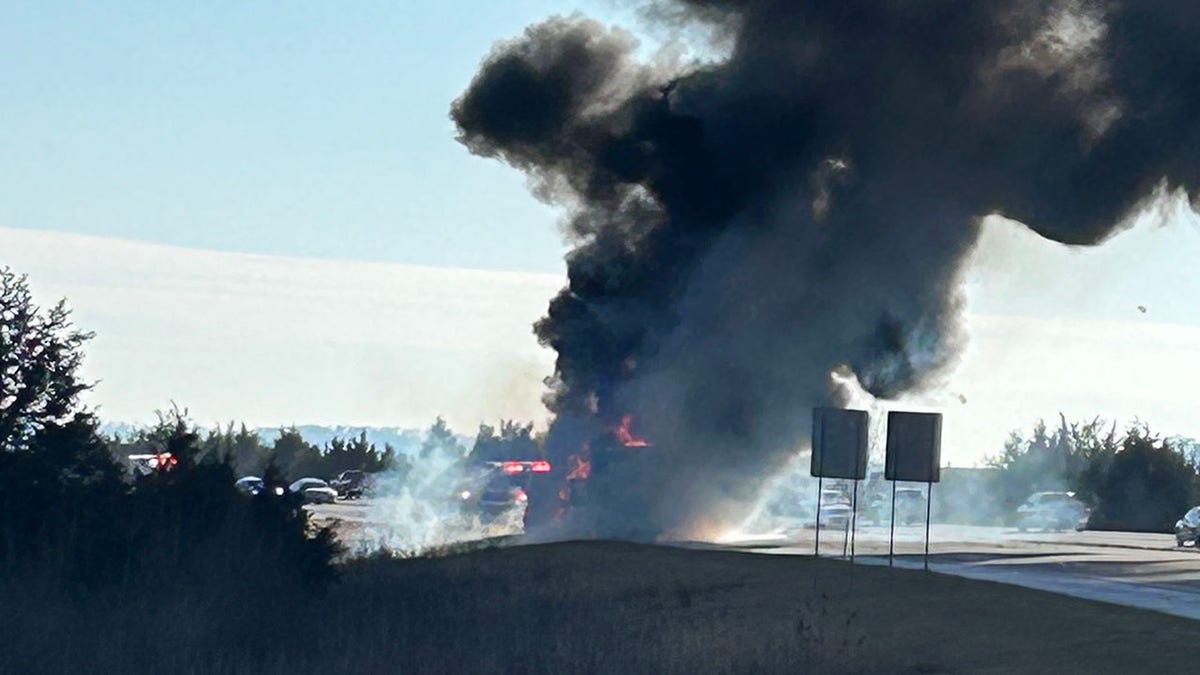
817,538
839,450
914,450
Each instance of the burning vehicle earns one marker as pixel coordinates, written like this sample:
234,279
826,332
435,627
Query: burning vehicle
615,464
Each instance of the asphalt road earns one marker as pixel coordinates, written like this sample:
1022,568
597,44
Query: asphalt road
1128,568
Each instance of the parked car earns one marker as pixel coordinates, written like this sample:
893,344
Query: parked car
1187,528
352,484
314,491
1052,511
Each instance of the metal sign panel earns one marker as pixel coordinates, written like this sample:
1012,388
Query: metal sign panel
914,447
839,443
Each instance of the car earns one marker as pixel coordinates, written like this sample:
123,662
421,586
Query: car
1187,528
911,506
499,488
314,491
254,486
835,510
149,463
351,484
251,485
1052,511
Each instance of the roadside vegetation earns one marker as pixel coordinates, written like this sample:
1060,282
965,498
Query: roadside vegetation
1133,480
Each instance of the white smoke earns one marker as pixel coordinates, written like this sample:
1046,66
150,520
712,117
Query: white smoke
424,509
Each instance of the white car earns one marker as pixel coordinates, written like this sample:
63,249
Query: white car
1052,511
314,491
836,510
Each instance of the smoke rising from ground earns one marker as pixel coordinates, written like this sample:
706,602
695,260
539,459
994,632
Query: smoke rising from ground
419,510
744,229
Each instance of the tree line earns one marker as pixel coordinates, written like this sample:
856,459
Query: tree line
290,457
1132,479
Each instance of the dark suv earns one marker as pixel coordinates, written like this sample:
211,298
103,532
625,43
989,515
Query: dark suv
499,488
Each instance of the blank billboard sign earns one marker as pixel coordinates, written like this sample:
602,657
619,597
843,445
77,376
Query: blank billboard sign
839,443
914,447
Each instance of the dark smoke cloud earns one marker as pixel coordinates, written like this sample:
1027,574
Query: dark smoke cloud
805,205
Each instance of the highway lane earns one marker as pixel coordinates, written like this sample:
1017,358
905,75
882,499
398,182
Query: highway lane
1128,568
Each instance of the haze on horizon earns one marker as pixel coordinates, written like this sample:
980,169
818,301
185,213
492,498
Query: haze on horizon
271,340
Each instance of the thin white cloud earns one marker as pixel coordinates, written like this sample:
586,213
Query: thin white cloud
272,340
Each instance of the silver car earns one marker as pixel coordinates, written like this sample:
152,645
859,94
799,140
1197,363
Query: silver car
314,491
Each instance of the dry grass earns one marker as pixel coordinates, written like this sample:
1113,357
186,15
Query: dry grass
605,607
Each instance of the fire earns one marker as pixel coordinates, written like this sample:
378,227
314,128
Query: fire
626,437
581,464
579,468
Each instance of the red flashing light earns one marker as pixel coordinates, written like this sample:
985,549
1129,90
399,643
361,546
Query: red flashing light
540,466
521,496
513,467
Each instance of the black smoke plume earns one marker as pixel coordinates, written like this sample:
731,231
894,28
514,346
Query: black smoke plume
744,228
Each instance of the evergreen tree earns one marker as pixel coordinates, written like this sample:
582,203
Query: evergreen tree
40,354
440,440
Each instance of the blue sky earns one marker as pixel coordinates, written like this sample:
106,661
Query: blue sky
311,129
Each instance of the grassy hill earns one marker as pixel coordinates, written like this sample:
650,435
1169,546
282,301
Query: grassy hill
607,607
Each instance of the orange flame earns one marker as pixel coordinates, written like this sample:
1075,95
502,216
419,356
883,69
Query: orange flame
581,464
626,437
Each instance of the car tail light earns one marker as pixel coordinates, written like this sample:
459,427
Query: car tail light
540,466
513,467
